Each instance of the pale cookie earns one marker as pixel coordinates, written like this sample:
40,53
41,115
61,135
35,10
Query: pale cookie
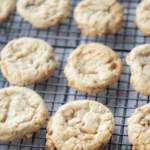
91,68
27,60
143,17
22,111
98,17
6,7
139,128
44,13
80,125
139,61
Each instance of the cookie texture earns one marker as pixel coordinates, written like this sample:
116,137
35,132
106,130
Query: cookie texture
27,60
6,7
44,13
139,61
139,129
143,17
80,125
91,68
22,111
98,17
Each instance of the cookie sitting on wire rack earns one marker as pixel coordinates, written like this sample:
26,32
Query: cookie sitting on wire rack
138,128
6,7
22,111
91,68
44,13
143,17
139,61
98,17
26,61
80,125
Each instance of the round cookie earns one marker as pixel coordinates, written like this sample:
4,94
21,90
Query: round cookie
139,129
139,61
91,68
27,60
80,125
44,13
22,111
6,7
143,17
98,17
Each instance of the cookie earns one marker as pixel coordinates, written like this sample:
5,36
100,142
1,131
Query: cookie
91,68
44,13
27,60
6,7
80,125
139,61
138,128
143,17
98,17
22,111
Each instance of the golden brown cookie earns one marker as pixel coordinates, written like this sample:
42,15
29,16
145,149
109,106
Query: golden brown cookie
139,61
98,17
80,125
91,68
143,17
6,7
44,13
139,128
22,111
28,60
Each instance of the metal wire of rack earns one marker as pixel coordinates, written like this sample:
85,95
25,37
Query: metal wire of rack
120,97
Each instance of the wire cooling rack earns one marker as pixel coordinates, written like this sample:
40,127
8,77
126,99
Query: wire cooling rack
120,97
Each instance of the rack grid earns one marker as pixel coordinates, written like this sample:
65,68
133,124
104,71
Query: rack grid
120,97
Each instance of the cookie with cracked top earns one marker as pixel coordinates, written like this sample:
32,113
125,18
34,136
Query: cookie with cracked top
143,17
98,17
44,13
139,61
27,60
138,128
80,125
6,7
22,111
91,68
